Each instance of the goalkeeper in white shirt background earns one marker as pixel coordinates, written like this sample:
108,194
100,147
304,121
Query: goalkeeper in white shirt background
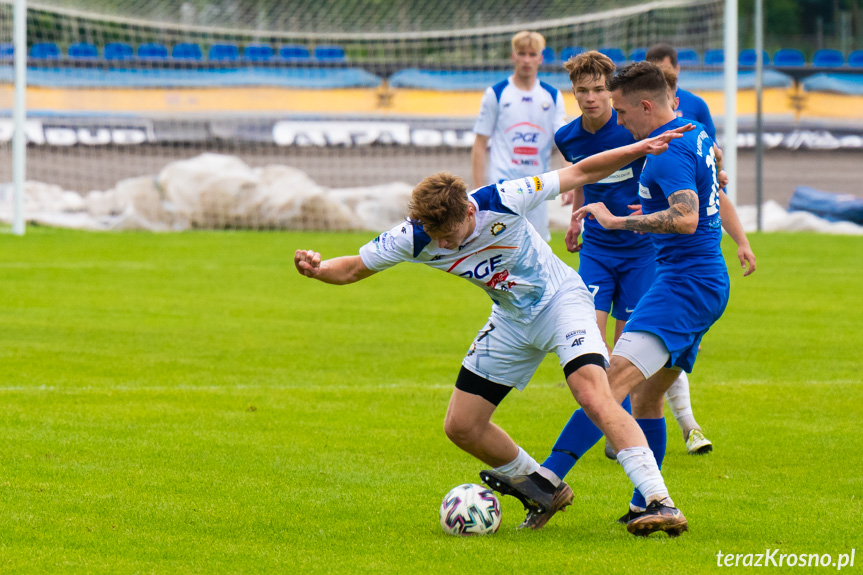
517,121
540,305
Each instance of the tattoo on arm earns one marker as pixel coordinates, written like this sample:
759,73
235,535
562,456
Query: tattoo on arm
681,204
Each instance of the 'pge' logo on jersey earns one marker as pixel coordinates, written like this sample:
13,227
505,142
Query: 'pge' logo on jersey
526,137
483,268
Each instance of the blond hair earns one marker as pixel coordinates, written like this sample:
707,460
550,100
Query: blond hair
528,39
439,203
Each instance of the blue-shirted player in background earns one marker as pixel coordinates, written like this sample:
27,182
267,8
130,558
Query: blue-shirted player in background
680,202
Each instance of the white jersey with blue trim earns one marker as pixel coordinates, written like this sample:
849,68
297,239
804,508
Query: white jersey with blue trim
520,126
504,255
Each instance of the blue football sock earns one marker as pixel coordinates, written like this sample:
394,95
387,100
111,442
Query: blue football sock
655,432
627,405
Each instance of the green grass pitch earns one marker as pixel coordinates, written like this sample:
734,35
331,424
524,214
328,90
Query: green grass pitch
188,403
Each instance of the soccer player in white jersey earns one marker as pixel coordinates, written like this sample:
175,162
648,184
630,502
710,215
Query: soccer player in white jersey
518,118
540,306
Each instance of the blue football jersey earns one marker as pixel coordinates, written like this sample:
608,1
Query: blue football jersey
688,164
691,107
616,191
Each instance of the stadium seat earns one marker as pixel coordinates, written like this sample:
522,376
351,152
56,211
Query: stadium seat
152,51
82,51
616,54
258,53
549,55
638,54
747,57
7,50
294,53
714,58
569,52
186,51
828,58
118,51
223,53
688,57
788,57
44,51
330,54
855,58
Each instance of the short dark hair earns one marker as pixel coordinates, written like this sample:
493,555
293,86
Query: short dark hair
640,78
659,52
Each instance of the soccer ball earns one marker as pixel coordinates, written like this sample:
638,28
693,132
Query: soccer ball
470,509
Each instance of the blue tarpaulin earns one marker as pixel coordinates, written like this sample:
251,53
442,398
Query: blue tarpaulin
827,205
837,83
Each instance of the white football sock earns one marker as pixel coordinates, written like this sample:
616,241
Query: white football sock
678,400
523,464
640,466
550,475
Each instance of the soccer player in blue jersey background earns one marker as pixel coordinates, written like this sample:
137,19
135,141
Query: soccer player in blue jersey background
680,203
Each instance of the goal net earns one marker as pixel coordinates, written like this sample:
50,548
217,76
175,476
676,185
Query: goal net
310,114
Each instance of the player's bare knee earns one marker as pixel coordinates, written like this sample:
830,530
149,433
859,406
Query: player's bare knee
461,431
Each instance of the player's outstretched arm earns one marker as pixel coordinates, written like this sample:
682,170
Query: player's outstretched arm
731,223
337,271
591,170
681,217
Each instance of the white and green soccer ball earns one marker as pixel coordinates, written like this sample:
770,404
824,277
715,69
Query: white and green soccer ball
470,509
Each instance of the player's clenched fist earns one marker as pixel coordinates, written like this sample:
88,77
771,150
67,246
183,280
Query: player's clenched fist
308,262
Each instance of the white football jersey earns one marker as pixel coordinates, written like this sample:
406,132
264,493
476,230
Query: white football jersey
521,126
504,255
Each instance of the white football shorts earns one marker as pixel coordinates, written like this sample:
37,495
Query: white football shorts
508,352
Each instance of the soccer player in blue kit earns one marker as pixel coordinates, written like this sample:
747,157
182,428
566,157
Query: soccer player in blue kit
680,202
617,265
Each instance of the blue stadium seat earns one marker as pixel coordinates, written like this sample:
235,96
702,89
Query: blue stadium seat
747,57
688,57
616,54
82,51
855,58
638,54
258,53
788,57
828,58
118,51
294,53
330,53
223,53
152,51
186,51
7,51
549,55
714,58
570,51
44,51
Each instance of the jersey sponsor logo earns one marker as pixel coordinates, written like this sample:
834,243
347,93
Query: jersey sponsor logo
385,242
618,176
525,151
483,268
575,159
643,191
577,341
499,281
524,162
528,184
526,137
497,228
507,105
545,106
527,99
537,183
575,333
